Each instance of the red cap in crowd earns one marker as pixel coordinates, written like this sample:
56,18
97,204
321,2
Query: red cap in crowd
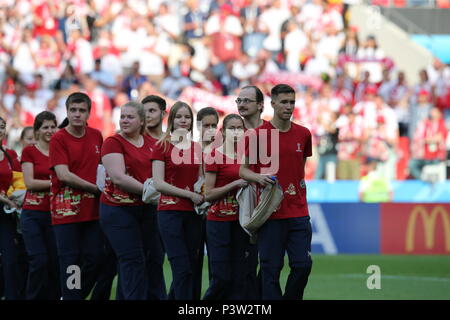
381,120
371,90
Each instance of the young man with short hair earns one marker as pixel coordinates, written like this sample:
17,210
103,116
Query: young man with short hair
155,110
288,229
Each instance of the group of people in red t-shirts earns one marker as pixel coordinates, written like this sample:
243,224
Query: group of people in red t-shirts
79,233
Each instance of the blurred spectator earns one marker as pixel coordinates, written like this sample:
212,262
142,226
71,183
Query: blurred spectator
24,55
327,137
80,52
271,20
398,100
378,142
74,18
350,138
343,89
67,79
105,79
428,146
386,84
48,60
225,29
44,18
374,187
364,87
100,115
166,22
253,38
419,111
350,45
133,80
424,85
154,52
294,43
194,21
370,58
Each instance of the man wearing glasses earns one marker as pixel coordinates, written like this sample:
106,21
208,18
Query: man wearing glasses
250,104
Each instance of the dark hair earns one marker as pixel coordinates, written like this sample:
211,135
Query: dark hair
3,150
156,99
208,111
229,117
76,97
281,88
258,93
41,117
24,131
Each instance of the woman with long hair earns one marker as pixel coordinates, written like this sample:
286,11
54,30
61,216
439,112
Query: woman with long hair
9,163
36,224
124,218
227,241
176,168
74,157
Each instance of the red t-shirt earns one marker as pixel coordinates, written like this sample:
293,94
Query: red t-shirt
37,200
294,147
227,171
82,156
183,173
137,165
6,170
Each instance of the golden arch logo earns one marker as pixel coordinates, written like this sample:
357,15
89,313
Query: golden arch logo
429,224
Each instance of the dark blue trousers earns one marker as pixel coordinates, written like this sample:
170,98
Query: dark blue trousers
9,252
155,257
181,234
128,231
155,261
107,273
198,272
228,254
275,238
79,244
43,272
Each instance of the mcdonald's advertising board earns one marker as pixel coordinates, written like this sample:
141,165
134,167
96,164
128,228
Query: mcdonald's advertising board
415,228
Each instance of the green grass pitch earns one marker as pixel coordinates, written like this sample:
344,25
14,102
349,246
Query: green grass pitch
344,277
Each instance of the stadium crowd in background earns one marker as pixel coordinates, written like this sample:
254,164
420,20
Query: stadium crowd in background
202,51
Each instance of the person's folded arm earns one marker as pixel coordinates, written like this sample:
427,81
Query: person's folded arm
251,176
212,193
158,171
72,180
115,167
31,183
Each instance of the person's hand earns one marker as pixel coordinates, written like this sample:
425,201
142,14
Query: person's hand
264,180
10,203
241,183
197,198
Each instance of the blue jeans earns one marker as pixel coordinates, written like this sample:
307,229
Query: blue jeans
181,235
321,166
79,244
276,237
43,271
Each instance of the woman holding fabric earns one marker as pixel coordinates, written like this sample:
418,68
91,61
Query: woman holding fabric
176,168
125,219
227,241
